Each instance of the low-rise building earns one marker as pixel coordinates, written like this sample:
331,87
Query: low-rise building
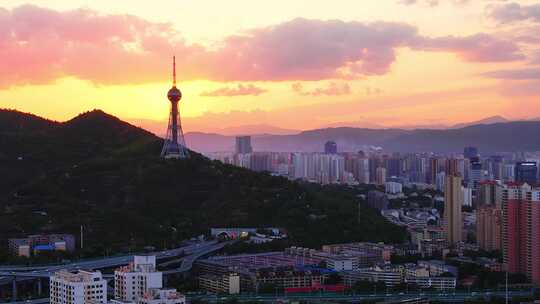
438,283
227,283
41,242
82,287
162,296
381,251
289,277
389,274
437,267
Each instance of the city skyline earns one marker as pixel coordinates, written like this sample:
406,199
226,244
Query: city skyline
365,64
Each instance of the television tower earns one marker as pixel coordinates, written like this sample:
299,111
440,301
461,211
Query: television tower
174,145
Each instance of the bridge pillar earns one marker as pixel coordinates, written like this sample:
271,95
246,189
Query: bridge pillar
164,281
39,287
14,289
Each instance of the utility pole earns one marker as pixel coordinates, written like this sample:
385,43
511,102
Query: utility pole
506,279
82,238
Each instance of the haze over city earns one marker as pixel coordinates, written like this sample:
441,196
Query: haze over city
261,67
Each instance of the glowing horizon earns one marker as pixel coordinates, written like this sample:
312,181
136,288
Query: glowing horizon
291,64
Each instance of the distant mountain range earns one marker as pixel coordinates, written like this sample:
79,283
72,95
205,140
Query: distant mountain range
158,127
489,135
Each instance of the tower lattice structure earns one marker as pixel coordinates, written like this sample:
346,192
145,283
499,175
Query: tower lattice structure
174,145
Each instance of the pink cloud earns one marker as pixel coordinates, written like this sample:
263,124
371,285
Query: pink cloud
515,74
515,12
333,89
240,90
39,45
522,89
474,48
432,3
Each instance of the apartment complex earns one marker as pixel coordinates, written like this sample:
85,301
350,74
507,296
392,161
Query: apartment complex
136,279
82,287
489,227
521,229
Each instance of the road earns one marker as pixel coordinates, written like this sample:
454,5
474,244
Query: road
188,260
454,297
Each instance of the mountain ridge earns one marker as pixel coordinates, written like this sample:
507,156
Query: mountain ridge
105,174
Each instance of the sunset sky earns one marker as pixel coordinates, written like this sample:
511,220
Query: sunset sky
287,63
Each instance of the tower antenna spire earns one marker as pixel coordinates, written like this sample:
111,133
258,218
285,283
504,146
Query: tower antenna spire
174,70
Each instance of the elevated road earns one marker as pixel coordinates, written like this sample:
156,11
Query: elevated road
191,251
112,261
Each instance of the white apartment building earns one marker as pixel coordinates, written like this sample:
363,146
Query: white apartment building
131,282
82,287
393,188
467,196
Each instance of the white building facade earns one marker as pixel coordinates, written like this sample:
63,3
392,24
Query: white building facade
82,287
133,281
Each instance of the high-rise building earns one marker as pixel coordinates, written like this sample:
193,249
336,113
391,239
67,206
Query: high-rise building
453,200
433,170
381,176
526,172
440,180
521,230
243,145
476,175
260,162
489,227
467,196
330,147
374,163
131,282
470,152
82,287
363,171
174,145
489,194
508,172
451,167
393,166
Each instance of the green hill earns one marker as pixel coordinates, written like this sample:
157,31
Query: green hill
100,172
